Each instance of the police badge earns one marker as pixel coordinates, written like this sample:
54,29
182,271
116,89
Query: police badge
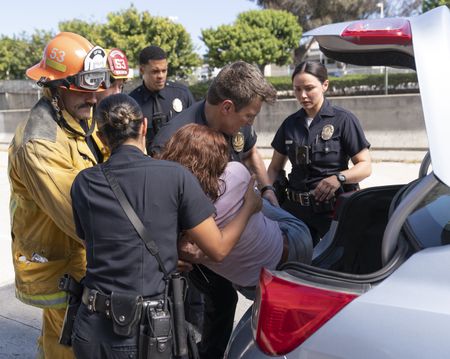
238,142
327,132
177,105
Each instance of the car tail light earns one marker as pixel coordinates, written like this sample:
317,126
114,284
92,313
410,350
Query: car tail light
379,32
285,314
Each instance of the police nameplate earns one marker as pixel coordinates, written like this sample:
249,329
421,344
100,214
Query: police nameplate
177,105
238,142
327,132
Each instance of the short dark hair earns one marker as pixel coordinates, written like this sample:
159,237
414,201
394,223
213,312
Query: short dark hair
315,68
151,52
119,118
241,83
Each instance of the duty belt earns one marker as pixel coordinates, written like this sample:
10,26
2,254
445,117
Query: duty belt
100,302
304,198
96,301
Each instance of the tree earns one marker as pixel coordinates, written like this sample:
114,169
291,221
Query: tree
21,52
131,31
314,13
128,30
91,31
260,37
431,4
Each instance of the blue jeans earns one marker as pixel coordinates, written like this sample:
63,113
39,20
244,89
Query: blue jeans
296,231
297,234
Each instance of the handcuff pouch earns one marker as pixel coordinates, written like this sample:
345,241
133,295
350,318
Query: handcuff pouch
126,312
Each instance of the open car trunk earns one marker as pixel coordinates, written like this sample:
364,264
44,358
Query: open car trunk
364,245
354,255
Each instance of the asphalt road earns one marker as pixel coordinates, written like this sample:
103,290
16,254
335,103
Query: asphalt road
20,324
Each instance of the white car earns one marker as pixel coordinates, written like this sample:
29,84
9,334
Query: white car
379,284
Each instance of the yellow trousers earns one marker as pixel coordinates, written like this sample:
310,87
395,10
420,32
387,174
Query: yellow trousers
48,342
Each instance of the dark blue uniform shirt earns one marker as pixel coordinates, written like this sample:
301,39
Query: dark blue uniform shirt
172,99
240,144
166,197
334,136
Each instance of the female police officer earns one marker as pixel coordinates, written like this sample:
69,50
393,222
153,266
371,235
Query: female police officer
319,140
166,197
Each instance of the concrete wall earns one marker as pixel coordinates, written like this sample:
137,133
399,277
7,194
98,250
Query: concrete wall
18,94
390,122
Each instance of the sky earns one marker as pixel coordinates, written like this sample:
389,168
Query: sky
194,15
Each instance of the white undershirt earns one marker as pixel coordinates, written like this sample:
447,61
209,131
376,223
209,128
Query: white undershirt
308,121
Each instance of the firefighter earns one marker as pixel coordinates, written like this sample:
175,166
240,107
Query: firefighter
119,73
48,150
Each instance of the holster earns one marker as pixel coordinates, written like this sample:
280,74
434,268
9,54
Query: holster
322,207
126,312
155,333
74,291
281,184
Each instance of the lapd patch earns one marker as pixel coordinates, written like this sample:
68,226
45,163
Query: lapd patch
238,142
327,132
177,105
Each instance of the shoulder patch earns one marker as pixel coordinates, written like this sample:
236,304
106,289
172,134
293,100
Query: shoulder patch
40,124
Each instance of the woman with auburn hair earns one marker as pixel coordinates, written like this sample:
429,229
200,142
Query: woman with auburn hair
122,275
270,238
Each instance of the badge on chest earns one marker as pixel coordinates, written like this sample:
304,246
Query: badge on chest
238,142
327,132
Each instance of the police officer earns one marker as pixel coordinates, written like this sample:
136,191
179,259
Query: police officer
232,103
159,99
318,140
120,271
48,150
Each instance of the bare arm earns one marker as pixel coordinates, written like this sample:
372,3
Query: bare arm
362,169
216,243
256,165
276,165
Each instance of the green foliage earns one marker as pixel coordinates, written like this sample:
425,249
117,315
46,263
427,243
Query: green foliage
91,31
361,84
260,37
199,89
129,30
314,13
20,52
431,4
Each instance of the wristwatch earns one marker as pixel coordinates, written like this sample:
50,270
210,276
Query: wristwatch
267,188
341,178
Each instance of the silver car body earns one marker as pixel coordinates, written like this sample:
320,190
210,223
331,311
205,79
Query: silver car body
407,314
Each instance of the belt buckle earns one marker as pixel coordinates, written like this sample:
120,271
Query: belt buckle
304,199
92,297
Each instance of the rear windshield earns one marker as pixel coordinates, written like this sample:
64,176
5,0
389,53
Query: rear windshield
429,224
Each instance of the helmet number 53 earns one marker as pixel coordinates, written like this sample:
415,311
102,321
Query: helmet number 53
119,64
57,55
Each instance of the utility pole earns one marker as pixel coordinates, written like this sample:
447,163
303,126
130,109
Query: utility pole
386,74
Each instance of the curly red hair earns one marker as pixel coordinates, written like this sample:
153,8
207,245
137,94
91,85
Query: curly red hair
202,150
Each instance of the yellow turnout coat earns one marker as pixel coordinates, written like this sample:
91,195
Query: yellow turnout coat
43,162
